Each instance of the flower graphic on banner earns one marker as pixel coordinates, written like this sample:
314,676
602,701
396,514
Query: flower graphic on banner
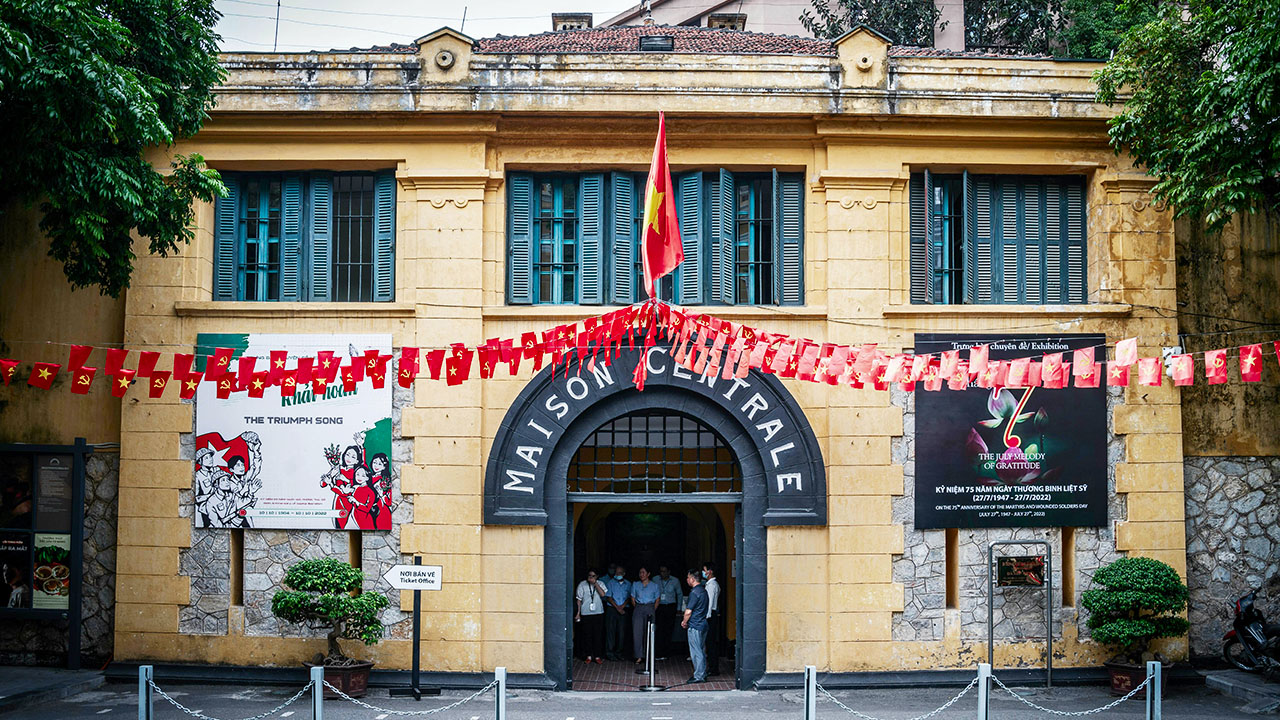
1015,464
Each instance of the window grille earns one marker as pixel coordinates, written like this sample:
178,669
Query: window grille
654,452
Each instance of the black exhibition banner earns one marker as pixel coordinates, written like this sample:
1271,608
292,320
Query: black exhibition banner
1010,457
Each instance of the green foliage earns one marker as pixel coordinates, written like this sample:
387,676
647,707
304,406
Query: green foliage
1097,27
908,22
1023,26
86,88
1134,601
1203,108
321,593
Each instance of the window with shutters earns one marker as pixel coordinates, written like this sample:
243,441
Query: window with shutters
743,238
305,237
986,239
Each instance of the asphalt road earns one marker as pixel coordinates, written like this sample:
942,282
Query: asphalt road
227,702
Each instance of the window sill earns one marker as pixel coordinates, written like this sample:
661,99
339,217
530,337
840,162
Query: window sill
208,308
996,311
731,312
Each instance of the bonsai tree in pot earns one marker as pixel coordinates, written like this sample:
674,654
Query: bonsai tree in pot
324,594
1133,601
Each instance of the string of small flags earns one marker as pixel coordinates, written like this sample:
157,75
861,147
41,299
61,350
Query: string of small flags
702,343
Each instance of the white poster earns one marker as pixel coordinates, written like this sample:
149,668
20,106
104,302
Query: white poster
295,462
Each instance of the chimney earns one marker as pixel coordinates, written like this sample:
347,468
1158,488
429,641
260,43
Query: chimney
950,13
728,21
571,21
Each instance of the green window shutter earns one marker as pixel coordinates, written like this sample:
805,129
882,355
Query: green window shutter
723,215
931,253
622,203
226,239
1010,236
520,239
789,207
291,239
1074,222
591,203
1032,241
384,236
970,239
920,269
689,208
982,279
321,237
1054,242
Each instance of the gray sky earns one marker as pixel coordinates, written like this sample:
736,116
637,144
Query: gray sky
325,24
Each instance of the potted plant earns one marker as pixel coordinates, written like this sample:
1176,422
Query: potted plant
1133,601
324,594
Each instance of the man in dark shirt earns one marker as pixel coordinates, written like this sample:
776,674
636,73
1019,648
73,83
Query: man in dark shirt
695,621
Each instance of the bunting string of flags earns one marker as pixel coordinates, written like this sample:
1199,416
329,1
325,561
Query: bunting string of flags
703,343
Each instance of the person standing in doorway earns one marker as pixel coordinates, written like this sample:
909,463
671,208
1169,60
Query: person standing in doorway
665,617
644,598
615,616
695,621
713,618
589,599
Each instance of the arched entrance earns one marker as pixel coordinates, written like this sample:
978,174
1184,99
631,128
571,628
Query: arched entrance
780,475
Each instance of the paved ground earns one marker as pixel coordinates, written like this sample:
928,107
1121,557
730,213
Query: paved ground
228,702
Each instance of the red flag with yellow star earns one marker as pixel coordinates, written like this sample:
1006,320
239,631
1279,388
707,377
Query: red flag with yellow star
42,375
663,251
121,381
189,382
1251,363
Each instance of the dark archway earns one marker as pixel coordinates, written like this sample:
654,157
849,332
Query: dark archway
783,476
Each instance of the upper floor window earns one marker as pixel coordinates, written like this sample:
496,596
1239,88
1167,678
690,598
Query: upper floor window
305,236
982,239
575,238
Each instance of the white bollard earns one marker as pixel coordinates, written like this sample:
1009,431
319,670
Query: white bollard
317,692
501,675
145,673
984,690
810,692
1154,671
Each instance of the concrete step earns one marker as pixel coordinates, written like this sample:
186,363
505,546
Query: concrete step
1261,696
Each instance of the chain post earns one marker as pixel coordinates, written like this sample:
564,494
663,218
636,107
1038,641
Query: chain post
984,690
145,675
1155,685
810,692
500,674
317,692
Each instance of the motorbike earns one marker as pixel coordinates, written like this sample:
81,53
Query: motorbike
1252,645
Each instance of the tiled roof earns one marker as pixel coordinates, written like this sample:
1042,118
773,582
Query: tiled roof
687,40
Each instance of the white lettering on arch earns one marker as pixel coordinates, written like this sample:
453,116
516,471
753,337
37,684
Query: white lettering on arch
530,453
569,388
517,481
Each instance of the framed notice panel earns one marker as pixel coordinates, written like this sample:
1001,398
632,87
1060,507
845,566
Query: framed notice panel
1010,457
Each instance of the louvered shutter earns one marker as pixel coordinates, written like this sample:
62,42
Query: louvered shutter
1074,220
723,215
931,253
520,239
591,202
291,239
982,279
384,236
970,239
1032,241
226,239
1010,234
1054,242
321,237
790,208
689,207
622,203
919,239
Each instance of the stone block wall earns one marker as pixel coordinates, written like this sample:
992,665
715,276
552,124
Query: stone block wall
1233,542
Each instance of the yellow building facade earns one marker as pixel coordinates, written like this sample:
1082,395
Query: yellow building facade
454,120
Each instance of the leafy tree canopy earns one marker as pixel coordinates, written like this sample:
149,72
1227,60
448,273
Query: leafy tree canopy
1203,108
907,22
86,87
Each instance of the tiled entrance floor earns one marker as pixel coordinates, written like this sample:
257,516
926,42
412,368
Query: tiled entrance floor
620,676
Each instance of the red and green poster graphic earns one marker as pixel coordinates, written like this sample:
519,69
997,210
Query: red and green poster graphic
1010,457
51,576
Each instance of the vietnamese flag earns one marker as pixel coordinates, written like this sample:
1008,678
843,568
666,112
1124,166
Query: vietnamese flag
1118,375
319,384
190,382
1251,363
82,379
258,384
121,381
275,365
1215,366
458,365
7,369
1127,352
1277,344
663,250
1184,370
1149,371
42,375
159,380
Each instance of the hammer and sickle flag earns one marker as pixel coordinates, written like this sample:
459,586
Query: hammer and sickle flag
663,251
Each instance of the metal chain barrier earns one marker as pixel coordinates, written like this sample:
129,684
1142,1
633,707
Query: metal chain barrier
926,716
202,716
1078,713
432,711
